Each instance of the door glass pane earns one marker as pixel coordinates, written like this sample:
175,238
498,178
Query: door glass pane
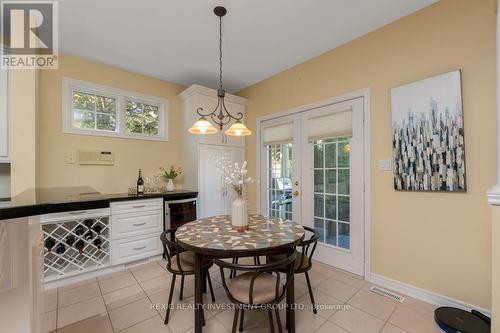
331,181
318,156
344,235
318,181
330,155
344,180
279,180
331,233
343,157
331,207
344,209
319,205
331,192
319,225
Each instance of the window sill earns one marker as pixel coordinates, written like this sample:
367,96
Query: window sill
116,135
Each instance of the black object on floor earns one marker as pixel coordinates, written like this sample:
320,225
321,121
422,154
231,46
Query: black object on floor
453,320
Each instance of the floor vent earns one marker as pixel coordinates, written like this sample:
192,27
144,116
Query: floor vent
388,294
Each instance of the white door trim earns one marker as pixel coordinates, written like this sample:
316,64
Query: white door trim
365,94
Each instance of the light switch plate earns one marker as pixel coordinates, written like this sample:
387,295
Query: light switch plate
385,165
70,158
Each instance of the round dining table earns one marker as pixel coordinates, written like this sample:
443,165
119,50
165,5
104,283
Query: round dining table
214,237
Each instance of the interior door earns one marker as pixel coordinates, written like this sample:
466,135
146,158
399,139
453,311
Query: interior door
333,183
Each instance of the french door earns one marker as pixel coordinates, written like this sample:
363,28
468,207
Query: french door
312,173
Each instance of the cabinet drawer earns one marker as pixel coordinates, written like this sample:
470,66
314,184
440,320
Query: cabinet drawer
135,206
129,250
133,224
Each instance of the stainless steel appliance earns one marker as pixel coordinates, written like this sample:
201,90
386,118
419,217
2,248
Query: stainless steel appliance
179,212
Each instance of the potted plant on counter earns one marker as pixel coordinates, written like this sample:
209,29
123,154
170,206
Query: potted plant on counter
170,175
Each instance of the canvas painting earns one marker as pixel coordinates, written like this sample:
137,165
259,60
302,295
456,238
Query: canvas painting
428,135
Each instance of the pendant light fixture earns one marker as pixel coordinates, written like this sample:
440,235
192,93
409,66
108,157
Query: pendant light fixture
220,115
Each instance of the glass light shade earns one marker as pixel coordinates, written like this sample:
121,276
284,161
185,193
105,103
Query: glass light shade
238,129
202,126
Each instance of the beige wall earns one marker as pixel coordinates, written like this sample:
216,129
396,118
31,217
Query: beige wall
437,241
23,104
130,155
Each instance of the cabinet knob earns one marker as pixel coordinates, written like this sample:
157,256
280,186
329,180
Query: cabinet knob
296,193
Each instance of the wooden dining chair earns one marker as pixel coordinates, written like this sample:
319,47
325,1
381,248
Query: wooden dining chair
303,261
257,287
180,262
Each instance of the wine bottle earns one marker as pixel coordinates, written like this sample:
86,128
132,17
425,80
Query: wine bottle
98,243
88,223
60,249
89,235
79,230
97,228
49,243
70,240
140,183
79,246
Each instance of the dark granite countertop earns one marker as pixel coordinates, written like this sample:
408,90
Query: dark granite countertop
41,201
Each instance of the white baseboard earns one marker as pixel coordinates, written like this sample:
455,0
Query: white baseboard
422,294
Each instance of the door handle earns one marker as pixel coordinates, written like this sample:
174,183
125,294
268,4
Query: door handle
296,193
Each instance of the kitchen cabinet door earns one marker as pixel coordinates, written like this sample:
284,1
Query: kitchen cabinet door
233,155
211,195
215,197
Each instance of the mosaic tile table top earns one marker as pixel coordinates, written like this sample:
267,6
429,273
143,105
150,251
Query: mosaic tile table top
216,233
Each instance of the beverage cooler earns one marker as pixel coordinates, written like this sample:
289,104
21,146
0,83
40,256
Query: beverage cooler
179,212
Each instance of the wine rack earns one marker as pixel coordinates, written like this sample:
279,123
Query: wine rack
85,243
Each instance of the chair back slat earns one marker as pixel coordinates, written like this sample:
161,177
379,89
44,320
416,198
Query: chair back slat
257,270
172,249
305,246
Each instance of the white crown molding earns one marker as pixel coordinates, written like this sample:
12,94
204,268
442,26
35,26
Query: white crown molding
423,294
494,196
197,89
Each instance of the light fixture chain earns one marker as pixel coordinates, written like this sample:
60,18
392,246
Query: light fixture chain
220,51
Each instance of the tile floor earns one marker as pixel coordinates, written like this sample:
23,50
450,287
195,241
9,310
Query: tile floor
122,302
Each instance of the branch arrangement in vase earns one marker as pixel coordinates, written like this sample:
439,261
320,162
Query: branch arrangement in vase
235,176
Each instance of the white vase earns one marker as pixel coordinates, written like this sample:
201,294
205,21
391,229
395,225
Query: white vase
170,185
239,219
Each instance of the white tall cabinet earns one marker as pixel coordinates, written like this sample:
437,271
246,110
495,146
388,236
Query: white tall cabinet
201,152
4,119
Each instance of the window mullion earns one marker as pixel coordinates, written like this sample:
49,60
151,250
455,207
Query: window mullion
95,112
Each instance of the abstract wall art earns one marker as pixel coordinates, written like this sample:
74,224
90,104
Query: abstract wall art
428,135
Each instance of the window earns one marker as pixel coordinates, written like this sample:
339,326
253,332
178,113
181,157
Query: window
142,118
91,109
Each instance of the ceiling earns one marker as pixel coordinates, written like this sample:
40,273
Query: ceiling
177,40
